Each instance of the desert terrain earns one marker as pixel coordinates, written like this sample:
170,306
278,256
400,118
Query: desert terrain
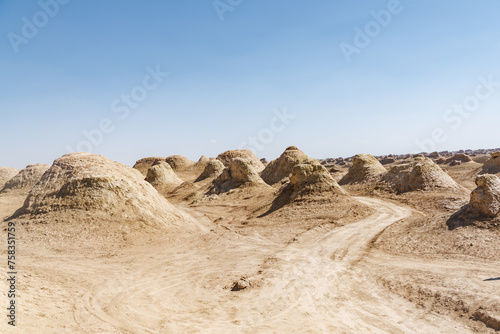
236,244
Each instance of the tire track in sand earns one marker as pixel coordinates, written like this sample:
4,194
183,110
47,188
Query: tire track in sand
324,285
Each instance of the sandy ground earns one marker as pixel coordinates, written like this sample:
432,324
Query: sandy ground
329,280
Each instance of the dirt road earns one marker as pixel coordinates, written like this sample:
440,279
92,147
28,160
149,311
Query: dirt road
323,283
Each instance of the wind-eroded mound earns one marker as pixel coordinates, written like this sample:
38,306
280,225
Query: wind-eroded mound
422,174
143,165
26,178
312,183
485,199
313,178
180,163
281,168
365,168
162,176
241,172
229,156
203,160
6,173
213,169
484,203
459,157
492,166
93,185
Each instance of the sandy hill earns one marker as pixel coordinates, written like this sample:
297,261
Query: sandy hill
311,185
459,157
84,188
6,173
179,162
281,167
240,173
313,178
365,168
213,168
483,208
162,176
228,156
485,199
183,167
143,164
26,178
492,166
202,161
421,174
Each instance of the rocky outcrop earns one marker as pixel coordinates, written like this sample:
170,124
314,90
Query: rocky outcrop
241,172
313,179
213,169
201,163
281,168
434,155
365,168
6,173
461,157
143,165
26,178
93,185
162,176
422,174
485,199
484,204
229,156
386,161
179,163
492,166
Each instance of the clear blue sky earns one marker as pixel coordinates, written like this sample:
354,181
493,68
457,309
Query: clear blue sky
226,77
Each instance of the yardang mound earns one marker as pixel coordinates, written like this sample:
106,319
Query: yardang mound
485,199
143,165
6,173
312,183
460,157
365,168
492,166
484,203
281,168
241,172
313,178
213,169
93,185
180,163
202,161
422,174
162,176
26,178
228,156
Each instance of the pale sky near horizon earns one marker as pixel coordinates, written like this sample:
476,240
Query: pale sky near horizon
374,77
